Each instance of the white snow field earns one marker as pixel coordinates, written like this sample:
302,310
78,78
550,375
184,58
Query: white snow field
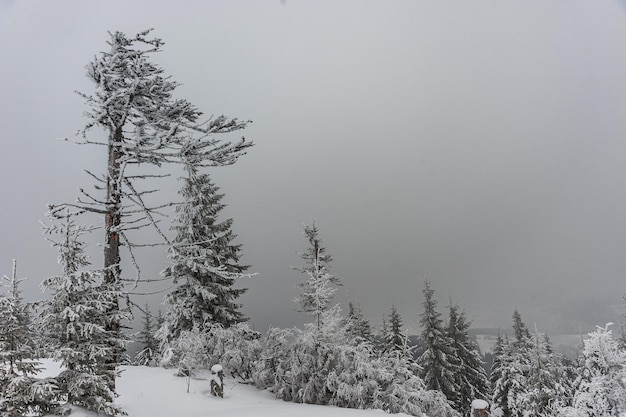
156,392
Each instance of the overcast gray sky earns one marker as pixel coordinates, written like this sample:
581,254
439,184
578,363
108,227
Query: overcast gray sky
478,144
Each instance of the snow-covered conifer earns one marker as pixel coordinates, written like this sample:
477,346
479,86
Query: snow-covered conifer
149,353
358,328
320,287
436,368
543,389
520,366
602,390
500,376
79,319
394,338
16,330
204,262
471,377
20,392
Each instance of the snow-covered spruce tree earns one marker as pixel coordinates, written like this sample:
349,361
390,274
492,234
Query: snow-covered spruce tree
471,378
16,330
544,391
437,368
301,377
320,287
394,339
400,390
500,377
602,390
520,366
358,328
144,128
20,391
81,320
204,262
149,354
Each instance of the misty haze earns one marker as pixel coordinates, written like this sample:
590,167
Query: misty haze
387,152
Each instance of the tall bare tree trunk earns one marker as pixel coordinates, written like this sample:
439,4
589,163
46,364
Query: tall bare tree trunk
112,220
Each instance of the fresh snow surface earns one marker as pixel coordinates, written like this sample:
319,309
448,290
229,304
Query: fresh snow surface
156,392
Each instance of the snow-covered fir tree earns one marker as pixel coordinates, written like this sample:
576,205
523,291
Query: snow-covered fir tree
79,319
394,337
499,377
302,376
16,330
204,262
435,360
358,328
520,365
544,391
149,353
20,391
471,377
602,389
320,286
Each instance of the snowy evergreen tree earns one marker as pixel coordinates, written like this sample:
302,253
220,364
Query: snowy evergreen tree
358,328
16,330
545,392
320,287
602,390
435,360
471,378
81,320
519,367
143,127
149,354
394,338
500,377
314,353
20,391
521,332
204,262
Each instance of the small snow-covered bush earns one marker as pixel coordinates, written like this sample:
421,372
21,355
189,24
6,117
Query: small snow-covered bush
237,348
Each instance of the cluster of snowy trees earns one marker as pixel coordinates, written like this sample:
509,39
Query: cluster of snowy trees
142,127
529,379
336,359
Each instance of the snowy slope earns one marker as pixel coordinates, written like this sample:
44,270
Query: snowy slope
155,392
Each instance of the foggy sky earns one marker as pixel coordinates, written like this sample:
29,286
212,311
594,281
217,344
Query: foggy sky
480,145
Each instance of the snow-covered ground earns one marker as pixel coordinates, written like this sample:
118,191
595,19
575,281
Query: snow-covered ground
156,392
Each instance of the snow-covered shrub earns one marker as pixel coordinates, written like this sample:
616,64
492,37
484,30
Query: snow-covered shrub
236,347
602,389
274,349
301,376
